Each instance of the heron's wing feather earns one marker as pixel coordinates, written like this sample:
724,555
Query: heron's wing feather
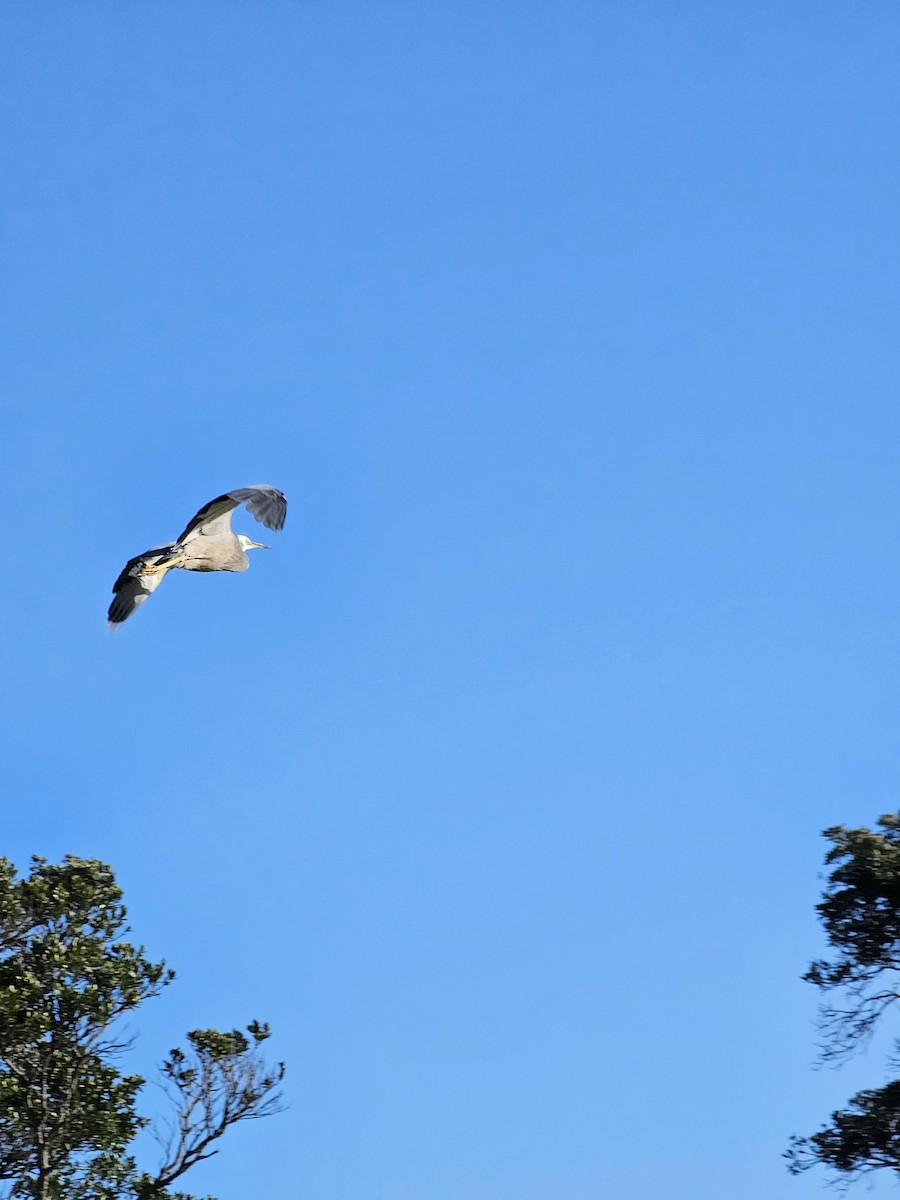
265,503
137,581
212,519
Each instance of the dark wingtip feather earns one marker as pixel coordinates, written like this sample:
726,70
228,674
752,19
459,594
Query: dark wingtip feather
118,612
264,502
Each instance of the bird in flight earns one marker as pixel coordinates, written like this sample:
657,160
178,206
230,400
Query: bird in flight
208,544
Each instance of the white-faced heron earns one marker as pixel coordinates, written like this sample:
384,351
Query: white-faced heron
208,544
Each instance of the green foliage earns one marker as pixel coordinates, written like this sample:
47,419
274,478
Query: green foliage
860,912
862,1138
860,907
67,1114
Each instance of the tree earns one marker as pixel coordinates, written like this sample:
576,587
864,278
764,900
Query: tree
68,1116
860,911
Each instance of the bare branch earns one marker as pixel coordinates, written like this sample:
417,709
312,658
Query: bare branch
222,1080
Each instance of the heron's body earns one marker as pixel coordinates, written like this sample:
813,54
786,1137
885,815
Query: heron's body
207,544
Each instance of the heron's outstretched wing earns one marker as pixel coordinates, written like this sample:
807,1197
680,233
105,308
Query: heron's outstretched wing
265,503
138,580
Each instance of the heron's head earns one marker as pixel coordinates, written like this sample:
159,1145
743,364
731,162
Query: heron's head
249,544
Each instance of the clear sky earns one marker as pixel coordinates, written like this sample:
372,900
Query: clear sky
571,333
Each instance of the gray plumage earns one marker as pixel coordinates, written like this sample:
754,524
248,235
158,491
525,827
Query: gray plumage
207,544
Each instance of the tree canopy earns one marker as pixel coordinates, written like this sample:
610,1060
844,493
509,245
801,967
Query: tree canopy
68,1115
860,912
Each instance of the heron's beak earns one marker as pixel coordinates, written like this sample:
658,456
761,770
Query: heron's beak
259,546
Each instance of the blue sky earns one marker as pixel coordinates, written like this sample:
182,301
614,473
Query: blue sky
570,332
